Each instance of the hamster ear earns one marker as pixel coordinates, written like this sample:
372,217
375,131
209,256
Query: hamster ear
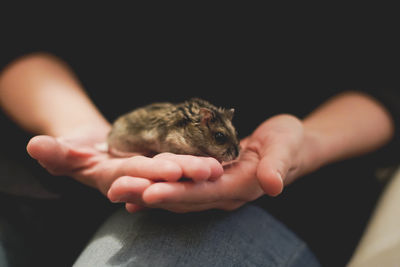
229,113
206,115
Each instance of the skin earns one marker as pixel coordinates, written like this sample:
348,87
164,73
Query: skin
279,151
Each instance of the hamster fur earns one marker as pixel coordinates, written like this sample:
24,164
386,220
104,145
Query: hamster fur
193,127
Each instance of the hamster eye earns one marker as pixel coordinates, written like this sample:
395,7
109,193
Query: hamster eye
220,138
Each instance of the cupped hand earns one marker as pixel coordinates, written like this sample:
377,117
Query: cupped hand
75,155
273,156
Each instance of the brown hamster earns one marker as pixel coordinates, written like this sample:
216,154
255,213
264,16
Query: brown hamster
193,127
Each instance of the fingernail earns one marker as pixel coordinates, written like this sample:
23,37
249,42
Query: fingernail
279,176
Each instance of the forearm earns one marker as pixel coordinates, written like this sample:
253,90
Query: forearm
43,96
347,125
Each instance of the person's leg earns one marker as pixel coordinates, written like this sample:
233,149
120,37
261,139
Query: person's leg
14,250
3,259
246,237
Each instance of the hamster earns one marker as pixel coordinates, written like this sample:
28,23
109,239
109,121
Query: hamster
193,127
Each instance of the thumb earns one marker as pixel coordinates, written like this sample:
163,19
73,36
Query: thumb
272,170
57,157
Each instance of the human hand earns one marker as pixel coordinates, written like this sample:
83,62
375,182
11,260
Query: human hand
273,156
75,155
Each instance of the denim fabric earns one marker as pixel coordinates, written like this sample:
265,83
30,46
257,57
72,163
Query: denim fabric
248,236
3,259
13,249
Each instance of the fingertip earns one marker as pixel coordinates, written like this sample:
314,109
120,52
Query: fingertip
155,193
127,187
111,193
171,171
216,169
198,169
132,208
39,145
49,153
270,181
189,166
111,196
150,195
276,186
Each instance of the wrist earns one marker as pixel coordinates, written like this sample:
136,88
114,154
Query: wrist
88,133
97,125
312,151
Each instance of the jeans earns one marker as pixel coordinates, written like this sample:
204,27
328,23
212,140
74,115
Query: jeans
3,259
248,236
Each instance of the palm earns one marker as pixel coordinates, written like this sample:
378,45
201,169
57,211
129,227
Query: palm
76,156
278,142
269,156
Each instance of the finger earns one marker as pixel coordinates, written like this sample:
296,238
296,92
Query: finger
128,189
196,207
239,182
187,192
151,168
244,142
56,157
195,168
272,170
132,208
